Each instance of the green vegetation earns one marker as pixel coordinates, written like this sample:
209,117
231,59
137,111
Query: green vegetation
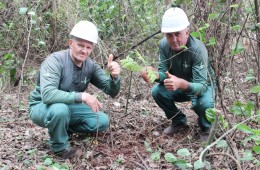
31,30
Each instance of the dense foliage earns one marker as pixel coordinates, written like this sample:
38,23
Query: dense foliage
31,30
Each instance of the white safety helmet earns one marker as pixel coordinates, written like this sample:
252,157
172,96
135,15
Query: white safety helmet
174,20
85,30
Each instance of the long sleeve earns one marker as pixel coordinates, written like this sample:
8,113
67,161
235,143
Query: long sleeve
50,75
191,65
104,82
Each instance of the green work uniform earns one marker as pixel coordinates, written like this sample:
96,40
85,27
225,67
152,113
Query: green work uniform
56,101
191,64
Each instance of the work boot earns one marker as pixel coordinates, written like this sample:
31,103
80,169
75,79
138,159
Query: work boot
174,128
69,153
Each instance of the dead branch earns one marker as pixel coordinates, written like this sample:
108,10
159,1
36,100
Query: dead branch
24,62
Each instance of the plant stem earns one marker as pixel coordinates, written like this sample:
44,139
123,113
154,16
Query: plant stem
212,144
211,134
129,91
24,62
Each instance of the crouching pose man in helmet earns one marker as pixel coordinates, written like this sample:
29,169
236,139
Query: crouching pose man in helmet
184,73
60,103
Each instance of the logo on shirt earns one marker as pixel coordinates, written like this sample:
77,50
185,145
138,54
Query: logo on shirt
186,65
85,80
47,74
202,65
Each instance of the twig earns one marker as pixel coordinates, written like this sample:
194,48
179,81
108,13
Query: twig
138,164
134,46
139,156
211,135
230,156
129,90
25,58
97,129
212,144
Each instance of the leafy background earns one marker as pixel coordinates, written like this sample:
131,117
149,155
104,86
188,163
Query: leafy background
31,30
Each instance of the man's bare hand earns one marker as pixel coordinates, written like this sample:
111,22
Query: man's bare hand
113,66
145,76
91,101
173,83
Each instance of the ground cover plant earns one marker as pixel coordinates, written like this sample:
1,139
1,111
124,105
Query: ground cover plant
30,30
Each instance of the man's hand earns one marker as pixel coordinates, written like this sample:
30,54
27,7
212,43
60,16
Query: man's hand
113,67
91,101
173,83
145,76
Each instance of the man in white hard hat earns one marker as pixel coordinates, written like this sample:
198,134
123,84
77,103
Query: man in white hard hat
184,73
60,101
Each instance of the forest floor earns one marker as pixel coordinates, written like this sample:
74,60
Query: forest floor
133,141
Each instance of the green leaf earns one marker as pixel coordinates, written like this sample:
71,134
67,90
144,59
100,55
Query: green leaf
183,47
211,114
146,144
237,48
244,128
139,56
213,16
23,10
195,34
247,156
212,41
198,164
236,27
41,44
152,75
254,137
222,144
27,162
256,132
48,161
150,150
250,75
31,151
8,56
169,157
183,152
255,89
234,6
182,164
256,149
156,156
40,167
131,65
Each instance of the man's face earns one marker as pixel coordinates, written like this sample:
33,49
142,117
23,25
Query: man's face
177,39
80,50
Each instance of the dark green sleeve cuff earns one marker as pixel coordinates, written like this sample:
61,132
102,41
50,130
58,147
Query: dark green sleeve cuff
189,89
162,77
115,79
78,97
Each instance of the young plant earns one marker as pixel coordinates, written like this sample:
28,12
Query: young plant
181,163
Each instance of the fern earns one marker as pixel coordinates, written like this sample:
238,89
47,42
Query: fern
139,56
131,65
152,76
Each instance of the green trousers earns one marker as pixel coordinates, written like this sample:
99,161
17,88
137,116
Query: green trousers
60,119
166,100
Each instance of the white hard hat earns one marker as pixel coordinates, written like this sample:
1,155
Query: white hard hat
85,30
174,20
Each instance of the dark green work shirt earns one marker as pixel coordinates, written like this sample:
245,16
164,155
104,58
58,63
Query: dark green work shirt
61,81
191,64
